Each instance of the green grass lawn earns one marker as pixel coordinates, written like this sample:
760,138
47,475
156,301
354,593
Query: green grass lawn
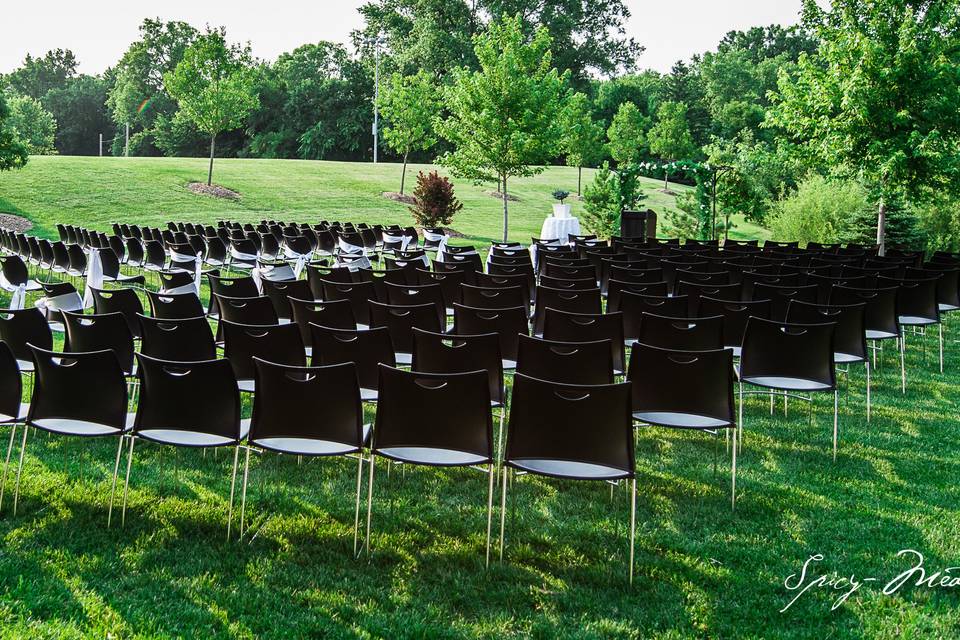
702,571
99,191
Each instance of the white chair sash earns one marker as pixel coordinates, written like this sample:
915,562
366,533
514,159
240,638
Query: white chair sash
64,302
94,278
298,266
240,255
19,297
197,273
346,247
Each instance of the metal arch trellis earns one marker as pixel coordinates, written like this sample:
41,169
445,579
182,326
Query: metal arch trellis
701,172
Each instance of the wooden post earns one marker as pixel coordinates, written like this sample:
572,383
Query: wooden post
126,144
101,145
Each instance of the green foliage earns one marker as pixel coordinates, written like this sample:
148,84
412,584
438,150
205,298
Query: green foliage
560,195
670,137
820,210
627,134
690,220
37,76
505,119
880,99
939,222
435,203
13,153
214,86
607,196
33,125
583,136
409,104
81,114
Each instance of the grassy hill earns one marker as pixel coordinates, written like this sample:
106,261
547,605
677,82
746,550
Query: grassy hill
99,191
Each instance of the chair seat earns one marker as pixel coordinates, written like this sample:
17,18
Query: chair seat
735,348
917,321
404,359
569,469
185,438
432,456
788,384
69,427
25,365
874,334
246,385
947,307
21,415
844,358
680,420
368,395
509,364
309,446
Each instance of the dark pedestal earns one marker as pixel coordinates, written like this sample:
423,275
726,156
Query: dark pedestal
638,224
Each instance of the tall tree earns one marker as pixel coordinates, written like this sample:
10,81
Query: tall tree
684,84
37,76
880,100
627,134
409,104
214,85
13,153
505,118
583,136
81,114
138,96
33,125
670,138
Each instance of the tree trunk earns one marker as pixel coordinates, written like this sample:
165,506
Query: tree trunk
666,180
213,142
505,214
579,179
403,176
882,227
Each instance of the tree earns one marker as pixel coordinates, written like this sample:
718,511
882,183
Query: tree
610,193
37,76
880,100
409,105
214,86
505,118
13,153
31,123
81,114
583,136
627,134
670,137
138,96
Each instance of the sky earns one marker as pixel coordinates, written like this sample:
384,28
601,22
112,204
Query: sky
98,31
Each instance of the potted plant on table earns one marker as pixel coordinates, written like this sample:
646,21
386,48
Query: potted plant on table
561,210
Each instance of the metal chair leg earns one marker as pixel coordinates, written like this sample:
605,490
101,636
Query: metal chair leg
903,366
233,482
503,510
116,472
836,400
493,473
243,491
23,450
868,389
733,482
940,328
633,521
6,462
356,514
126,484
369,502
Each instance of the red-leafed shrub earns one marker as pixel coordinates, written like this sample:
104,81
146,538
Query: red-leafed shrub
435,203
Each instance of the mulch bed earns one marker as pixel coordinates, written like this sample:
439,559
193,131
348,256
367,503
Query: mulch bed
14,222
214,190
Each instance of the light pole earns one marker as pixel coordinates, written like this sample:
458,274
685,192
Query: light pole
376,42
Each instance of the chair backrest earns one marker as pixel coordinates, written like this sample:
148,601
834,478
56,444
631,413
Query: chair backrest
566,362
358,293
547,424
174,306
634,305
86,387
280,343
410,295
14,269
20,327
850,333
124,301
287,401
201,397
99,332
177,339
508,324
690,382
685,334
458,405
881,318
401,320
337,314
257,310
780,296
280,292
560,326
773,350
234,286
696,290
496,297
367,349
440,353
916,299
587,301
735,314
11,386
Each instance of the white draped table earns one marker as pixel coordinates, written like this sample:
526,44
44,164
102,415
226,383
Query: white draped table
560,228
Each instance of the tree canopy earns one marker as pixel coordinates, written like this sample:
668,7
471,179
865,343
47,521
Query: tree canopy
13,153
410,104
